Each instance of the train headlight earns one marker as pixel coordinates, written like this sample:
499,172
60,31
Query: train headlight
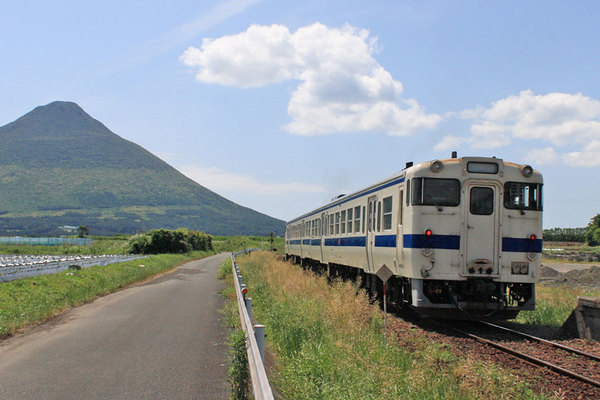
436,166
526,170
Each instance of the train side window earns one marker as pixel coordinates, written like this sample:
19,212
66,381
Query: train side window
331,224
343,223
337,223
387,213
407,192
350,220
378,216
357,219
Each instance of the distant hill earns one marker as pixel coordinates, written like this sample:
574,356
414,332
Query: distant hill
61,167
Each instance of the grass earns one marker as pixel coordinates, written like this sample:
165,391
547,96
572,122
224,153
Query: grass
554,305
329,344
236,243
30,301
104,246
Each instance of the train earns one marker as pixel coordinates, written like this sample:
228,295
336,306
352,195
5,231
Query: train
452,238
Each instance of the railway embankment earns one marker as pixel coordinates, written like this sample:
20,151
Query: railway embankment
328,341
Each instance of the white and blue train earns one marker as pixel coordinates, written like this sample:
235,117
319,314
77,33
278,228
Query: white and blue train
461,236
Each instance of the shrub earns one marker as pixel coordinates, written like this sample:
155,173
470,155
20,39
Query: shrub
160,241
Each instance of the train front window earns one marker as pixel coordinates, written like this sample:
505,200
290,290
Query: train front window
435,192
523,196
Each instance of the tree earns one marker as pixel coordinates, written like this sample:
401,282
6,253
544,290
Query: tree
83,231
593,231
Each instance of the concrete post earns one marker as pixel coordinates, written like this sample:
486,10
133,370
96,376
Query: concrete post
249,307
259,334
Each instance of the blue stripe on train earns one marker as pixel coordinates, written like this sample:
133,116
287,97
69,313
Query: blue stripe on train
359,241
421,241
518,245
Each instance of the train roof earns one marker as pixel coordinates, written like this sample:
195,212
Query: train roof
400,177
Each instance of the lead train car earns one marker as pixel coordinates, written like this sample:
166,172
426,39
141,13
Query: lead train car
462,237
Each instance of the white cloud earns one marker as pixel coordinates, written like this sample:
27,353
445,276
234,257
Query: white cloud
559,119
588,157
449,143
342,87
542,156
219,180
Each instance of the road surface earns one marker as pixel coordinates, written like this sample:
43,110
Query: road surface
160,340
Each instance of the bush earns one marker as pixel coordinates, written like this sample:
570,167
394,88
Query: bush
159,241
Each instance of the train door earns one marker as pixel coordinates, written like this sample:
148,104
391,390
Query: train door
371,218
482,229
400,233
323,231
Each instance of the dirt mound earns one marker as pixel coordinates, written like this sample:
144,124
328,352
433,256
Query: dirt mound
547,272
586,277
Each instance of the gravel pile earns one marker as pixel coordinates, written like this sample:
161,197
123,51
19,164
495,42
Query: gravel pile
589,277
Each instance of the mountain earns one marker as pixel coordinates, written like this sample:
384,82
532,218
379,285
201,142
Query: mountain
61,167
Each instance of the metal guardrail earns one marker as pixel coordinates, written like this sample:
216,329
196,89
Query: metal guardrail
256,337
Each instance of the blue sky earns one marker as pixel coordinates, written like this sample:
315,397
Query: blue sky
280,106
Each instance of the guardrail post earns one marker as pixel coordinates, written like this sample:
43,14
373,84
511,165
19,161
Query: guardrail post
248,301
259,334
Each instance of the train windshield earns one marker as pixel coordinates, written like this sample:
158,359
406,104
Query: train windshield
523,196
435,192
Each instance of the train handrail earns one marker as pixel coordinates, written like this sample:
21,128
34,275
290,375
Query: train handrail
260,383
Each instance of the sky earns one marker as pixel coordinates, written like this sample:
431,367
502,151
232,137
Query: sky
280,106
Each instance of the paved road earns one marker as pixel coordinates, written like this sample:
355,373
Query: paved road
161,340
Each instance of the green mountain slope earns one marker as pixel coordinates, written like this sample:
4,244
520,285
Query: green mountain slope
59,166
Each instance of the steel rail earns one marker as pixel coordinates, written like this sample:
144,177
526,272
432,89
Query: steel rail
260,383
548,342
527,357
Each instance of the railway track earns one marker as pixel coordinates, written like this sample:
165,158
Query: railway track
564,360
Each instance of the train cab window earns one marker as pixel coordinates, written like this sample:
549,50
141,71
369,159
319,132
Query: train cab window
343,223
331,224
482,201
337,223
378,216
387,213
357,219
523,196
408,192
435,192
350,220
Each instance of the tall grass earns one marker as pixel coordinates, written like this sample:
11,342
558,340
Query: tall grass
33,300
330,344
